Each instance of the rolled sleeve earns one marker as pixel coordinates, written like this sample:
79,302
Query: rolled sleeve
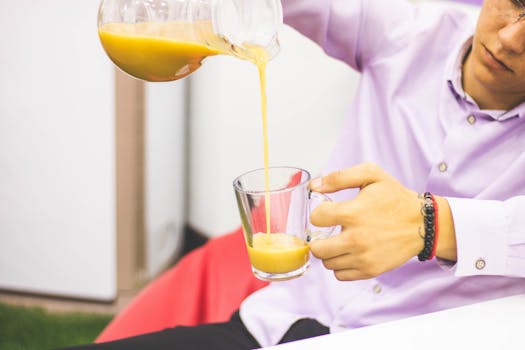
355,32
489,236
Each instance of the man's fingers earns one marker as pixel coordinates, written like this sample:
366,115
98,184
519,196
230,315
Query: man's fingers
355,177
350,275
341,262
328,248
327,214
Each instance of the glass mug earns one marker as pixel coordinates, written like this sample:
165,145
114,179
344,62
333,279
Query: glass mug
280,252
164,40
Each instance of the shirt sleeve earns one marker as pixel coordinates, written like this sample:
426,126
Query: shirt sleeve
490,236
354,31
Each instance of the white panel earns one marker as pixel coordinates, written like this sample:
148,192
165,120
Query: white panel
308,96
165,172
489,325
57,190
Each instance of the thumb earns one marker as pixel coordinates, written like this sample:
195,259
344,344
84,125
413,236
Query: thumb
358,176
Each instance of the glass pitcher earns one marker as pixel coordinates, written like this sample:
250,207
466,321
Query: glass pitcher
164,40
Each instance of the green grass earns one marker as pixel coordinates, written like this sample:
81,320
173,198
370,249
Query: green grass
24,328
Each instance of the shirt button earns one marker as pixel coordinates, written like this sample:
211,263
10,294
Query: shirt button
480,264
377,288
471,119
442,167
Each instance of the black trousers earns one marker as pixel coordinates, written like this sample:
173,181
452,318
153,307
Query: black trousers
231,335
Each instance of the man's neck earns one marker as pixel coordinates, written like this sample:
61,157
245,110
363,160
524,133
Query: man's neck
486,98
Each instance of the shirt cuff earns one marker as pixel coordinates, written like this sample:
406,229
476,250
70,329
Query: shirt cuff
481,234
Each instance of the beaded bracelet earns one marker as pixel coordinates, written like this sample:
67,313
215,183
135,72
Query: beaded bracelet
430,220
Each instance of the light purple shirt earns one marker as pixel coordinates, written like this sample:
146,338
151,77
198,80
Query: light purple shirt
413,118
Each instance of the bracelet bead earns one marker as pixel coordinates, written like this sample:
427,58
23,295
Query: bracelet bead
429,212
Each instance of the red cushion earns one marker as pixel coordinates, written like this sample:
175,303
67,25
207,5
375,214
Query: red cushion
205,286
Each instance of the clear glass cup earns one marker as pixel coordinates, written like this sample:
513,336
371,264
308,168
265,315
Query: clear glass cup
279,252
163,40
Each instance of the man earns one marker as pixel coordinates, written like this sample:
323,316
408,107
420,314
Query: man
438,111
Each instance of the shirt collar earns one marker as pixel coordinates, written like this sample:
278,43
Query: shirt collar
455,84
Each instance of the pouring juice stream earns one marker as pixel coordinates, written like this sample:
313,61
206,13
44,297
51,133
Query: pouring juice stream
261,66
166,51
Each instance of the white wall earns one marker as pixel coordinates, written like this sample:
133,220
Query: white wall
308,96
57,155
57,190
165,172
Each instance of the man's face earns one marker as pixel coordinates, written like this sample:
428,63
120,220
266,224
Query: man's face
497,59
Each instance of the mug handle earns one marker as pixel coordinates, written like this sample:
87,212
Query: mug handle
315,232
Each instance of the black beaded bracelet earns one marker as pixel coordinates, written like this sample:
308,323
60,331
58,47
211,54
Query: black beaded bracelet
428,212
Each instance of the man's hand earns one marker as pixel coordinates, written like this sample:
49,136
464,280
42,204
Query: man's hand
381,227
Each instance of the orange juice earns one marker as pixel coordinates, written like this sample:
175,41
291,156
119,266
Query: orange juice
150,51
261,65
278,252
